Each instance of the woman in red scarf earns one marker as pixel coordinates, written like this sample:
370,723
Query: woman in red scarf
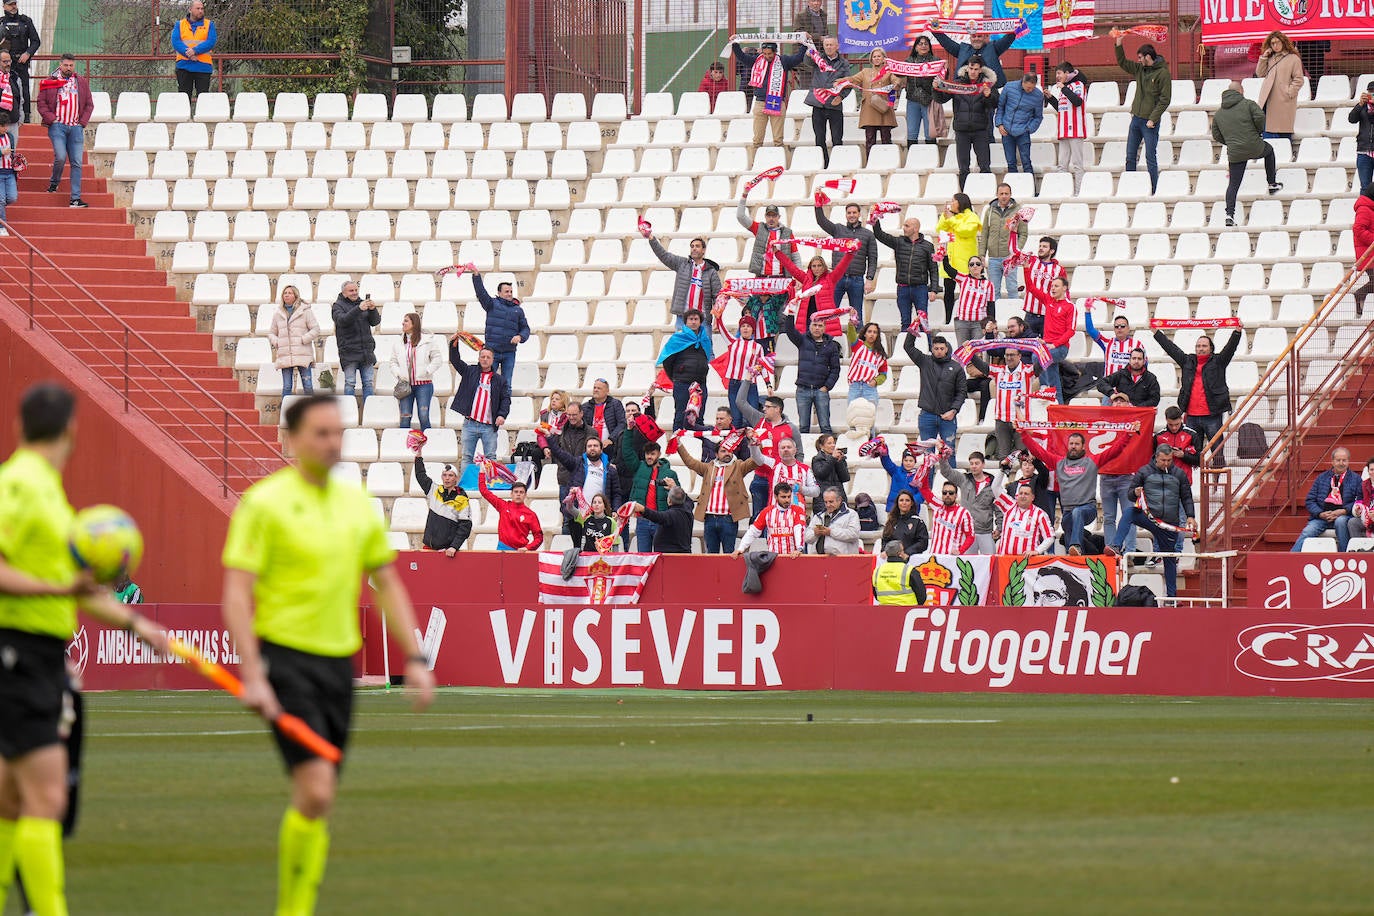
816,273
1061,321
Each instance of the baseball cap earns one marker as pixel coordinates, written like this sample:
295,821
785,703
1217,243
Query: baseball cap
772,209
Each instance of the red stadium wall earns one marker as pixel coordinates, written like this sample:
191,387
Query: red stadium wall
124,459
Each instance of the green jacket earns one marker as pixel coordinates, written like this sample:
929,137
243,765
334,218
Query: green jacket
1154,87
1239,124
639,490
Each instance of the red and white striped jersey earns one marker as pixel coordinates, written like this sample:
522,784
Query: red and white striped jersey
68,103
6,150
740,356
768,438
1023,530
716,503
1012,386
951,528
786,528
1073,119
1039,274
865,364
772,263
694,290
1117,353
798,474
974,296
481,401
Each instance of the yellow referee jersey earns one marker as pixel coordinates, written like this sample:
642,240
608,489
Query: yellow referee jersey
309,548
35,523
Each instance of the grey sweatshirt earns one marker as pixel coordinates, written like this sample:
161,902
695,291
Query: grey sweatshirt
1077,478
980,504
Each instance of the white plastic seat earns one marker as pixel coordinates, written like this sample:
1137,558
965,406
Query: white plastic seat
230,136
133,108
250,107
212,107
369,107
250,164
150,195
190,137
151,137
290,107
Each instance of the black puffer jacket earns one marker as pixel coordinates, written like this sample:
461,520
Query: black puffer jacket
909,531
818,361
972,113
353,332
1363,116
1213,373
944,385
915,260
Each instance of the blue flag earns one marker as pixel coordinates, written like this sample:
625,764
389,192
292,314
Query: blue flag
869,24
1033,11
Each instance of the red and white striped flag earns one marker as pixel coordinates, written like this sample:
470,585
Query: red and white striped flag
1068,22
599,579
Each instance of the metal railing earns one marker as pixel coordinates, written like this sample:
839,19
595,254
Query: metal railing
162,385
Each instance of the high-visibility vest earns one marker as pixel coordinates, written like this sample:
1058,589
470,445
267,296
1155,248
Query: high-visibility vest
891,584
197,36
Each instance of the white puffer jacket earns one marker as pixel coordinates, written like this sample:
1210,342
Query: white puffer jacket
293,336
430,357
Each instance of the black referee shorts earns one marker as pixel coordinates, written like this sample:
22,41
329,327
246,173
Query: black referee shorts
33,676
314,688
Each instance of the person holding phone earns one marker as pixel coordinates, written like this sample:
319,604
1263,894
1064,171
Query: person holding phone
354,319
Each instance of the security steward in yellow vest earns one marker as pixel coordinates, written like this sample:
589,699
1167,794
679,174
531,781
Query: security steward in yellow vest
893,585
192,39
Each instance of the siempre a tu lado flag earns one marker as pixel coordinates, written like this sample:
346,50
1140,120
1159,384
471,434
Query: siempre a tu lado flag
868,24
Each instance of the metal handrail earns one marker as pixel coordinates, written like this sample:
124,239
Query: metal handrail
119,345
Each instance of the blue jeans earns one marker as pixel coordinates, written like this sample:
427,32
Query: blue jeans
808,397
1136,133
472,432
1014,145
504,363
760,494
1077,519
1050,377
852,286
864,390
751,398
1317,527
917,116
1364,167
721,531
930,425
1117,504
1001,280
418,401
644,535
288,376
9,190
911,299
1165,542
68,142
369,374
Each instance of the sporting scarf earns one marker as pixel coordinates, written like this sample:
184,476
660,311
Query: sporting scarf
772,174
1175,323
1153,33
501,472
843,185
907,68
948,88
6,93
845,315
882,208
920,324
750,286
1167,526
872,448
819,60
796,38
764,368
980,26
940,250
1033,346
1096,426
728,443
696,399
456,270
645,227
415,440
776,76
827,243
472,340
576,503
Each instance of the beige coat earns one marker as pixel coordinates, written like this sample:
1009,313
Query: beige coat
293,336
736,496
868,115
1279,94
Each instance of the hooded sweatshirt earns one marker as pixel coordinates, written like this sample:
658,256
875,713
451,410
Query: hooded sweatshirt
1154,87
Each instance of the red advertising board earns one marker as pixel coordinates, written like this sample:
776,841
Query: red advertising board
1301,20
107,658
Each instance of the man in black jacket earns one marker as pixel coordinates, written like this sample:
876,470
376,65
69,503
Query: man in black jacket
1165,495
1133,386
944,388
354,320
818,369
674,534
19,36
483,400
972,122
915,256
450,519
861,276
1204,395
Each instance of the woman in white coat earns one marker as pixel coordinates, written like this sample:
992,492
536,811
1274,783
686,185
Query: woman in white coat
292,335
416,358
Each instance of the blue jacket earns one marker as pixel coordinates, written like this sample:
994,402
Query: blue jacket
469,376
992,54
901,480
504,320
1350,493
1019,111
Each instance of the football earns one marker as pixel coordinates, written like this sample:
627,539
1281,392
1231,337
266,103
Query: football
106,541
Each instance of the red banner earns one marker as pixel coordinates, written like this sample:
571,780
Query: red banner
1137,453
1331,582
1301,20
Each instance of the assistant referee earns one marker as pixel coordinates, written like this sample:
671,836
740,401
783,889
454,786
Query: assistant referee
300,543
40,589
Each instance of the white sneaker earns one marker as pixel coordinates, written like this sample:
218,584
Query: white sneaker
4,233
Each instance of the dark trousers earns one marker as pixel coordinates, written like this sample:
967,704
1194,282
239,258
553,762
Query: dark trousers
1238,175
980,141
871,137
1035,324
191,82
1363,292
20,81
951,291
1165,542
833,119
1207,427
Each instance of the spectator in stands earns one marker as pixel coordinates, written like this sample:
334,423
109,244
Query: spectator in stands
1364,231
972,117
1282,72
920,92
1020,109
818,369
686,358
417,358
1024,469
1239,124
994,243
483,400
1014,381
878,99
766,257
653,478
812,19
944,388
830,466
1133,386
1069,97
951,525
1363,115
19,36
916,270
517,528
962,227
605,414
506,325
354,319
788,469
10,103
592,471
784,522
1116,353
672,525
629,452
595,523
724,423
767,430
741,355
978,491
449,521
556,408
1331,501
859,277
973,302
713,83
1203,392
723,501
903,479
1076,474
834,531
828,115
767,312
904,528
978,47
292,335
769,75
193,38
65,105
978,382
826,281
698,277
572,439
1153,92
1061,323
1026,527
1039,274
9,179
1164,496
1183,441
867,365
1361,524
893,584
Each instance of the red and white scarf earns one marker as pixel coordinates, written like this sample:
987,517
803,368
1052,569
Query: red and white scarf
751,286
772,174
481,401
770,77
843,185
694,287
948,88
1193,323
69,102
907,68
827,243
1154,33
6,93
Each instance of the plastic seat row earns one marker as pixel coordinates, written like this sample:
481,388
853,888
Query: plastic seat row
234,194
435,235
527,165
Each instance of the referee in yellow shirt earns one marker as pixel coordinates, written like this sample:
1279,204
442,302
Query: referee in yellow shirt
40,589
300,543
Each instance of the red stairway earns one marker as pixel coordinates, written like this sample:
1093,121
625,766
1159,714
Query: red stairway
144,343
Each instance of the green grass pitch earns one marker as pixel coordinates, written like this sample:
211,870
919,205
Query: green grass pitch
664,802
